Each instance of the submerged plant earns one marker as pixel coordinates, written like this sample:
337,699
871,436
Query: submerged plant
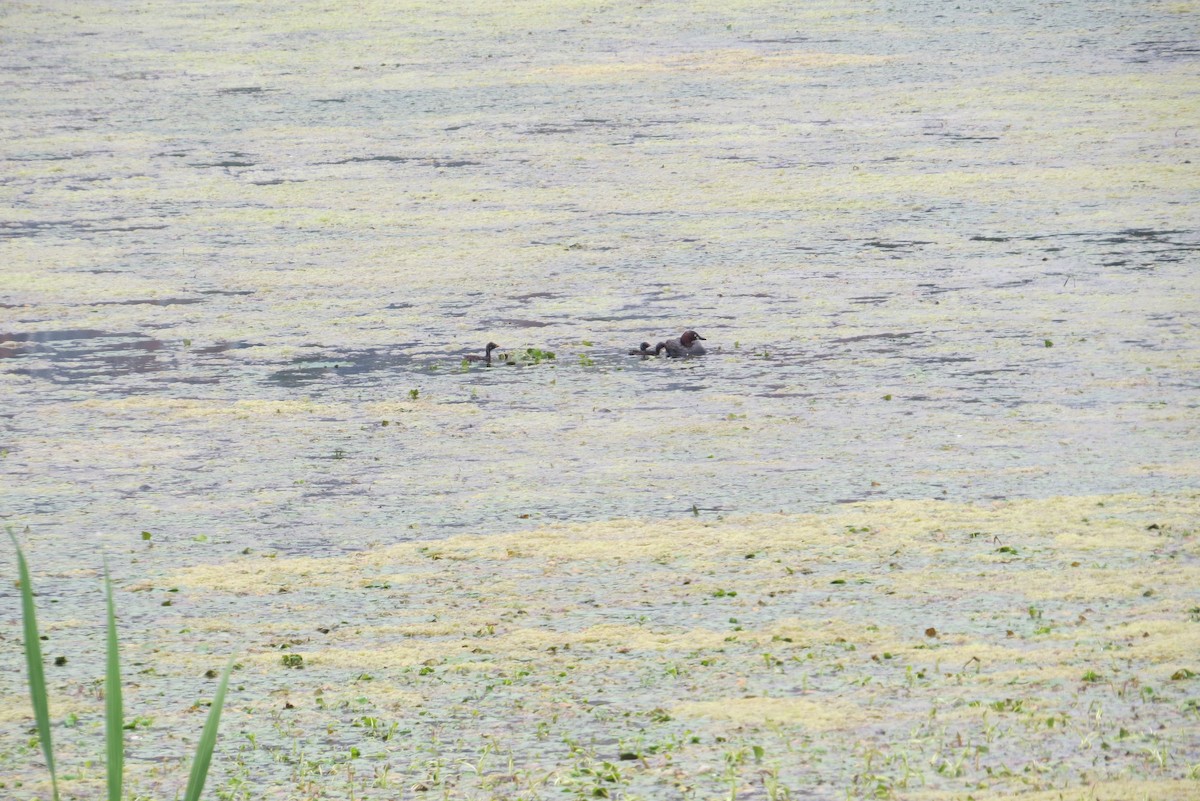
113,709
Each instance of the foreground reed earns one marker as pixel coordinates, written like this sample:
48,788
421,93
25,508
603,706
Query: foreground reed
113,710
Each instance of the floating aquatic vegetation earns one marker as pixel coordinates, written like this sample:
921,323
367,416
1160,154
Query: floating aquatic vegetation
528,356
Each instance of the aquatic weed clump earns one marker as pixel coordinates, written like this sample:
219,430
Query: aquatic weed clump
114,726
529,356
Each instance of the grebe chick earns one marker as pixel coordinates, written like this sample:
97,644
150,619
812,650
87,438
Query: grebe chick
486,358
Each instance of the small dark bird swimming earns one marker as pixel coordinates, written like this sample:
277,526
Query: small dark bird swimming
683,347
486,358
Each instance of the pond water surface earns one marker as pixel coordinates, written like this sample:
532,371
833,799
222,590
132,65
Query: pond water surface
937,252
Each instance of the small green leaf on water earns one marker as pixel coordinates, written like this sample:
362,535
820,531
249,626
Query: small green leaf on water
187,343
293,661
146,535
413,393
1181,674
838,581
210,674
887,397
60,661
1048,343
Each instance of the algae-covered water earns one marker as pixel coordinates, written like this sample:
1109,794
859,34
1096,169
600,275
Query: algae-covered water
945,259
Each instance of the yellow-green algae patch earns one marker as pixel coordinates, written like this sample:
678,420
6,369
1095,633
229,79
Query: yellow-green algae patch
1121,790
1095,526
718,60
811,714
917,640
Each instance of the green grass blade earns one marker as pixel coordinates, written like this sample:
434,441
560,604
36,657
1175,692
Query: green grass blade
208,739
33,662
114,715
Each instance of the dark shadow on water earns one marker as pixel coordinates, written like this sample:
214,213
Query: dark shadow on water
28,228
57,336
535,295
679,386
516,323
223,347
895,245
424,161
344,364
939,359
85,354
885,336
150,302
1165,50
